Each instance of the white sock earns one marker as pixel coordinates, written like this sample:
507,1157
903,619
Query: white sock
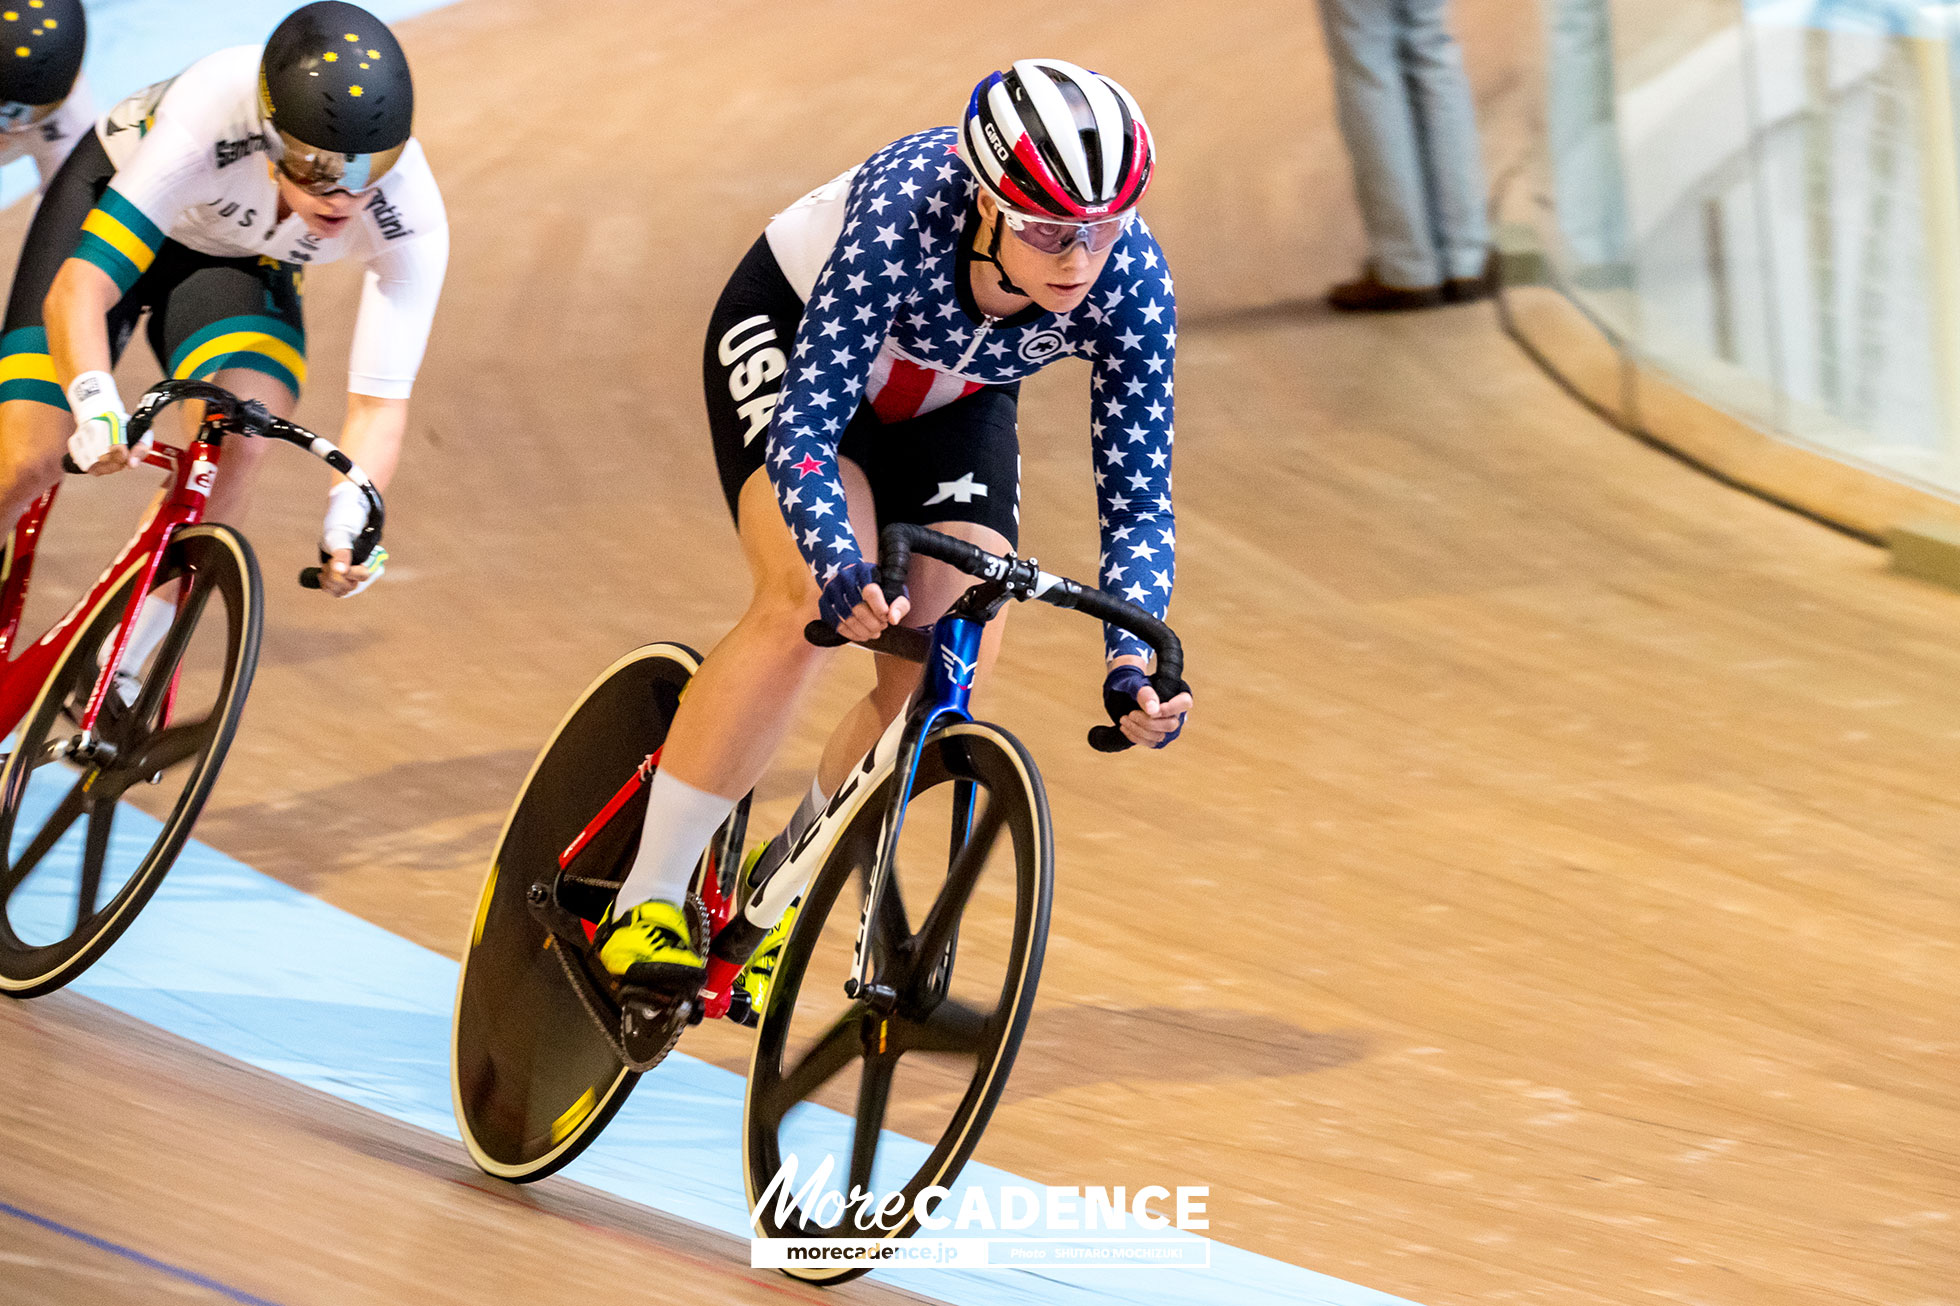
680,821
151,623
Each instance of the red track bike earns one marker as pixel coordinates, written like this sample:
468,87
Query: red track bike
128,747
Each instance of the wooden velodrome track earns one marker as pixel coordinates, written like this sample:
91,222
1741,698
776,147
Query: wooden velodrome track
1553,900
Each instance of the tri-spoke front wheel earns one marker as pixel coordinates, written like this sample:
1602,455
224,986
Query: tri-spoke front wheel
957,939
88,834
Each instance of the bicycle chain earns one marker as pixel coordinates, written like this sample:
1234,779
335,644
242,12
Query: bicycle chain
608,1029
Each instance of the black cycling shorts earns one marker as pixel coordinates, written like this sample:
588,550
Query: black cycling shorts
957,463
206,313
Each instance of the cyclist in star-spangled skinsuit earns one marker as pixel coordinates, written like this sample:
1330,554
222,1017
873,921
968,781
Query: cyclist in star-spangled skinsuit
890,292
862,367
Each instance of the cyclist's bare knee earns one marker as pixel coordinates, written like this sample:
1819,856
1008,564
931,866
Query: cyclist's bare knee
246,383
897,678
232,495
33,436
785,594
934,586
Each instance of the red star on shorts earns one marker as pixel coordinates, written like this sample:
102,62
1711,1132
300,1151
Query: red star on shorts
808,465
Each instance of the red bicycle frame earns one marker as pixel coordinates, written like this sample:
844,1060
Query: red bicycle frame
182,504
717,986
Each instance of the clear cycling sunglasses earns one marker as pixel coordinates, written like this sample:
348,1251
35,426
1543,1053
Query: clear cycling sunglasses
1060,237
17,117
319,172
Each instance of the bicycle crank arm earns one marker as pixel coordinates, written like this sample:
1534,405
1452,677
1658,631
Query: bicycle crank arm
650,1024
567,929
641,1025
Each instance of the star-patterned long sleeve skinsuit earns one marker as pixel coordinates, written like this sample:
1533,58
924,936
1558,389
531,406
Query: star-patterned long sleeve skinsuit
890,319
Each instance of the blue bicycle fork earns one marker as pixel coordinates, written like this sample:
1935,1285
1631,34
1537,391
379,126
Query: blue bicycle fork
946,691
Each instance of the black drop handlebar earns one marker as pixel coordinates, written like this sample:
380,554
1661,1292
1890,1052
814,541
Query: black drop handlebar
1021,579
225,413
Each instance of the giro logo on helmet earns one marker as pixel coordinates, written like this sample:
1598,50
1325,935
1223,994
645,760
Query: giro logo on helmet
1054,142
1000,147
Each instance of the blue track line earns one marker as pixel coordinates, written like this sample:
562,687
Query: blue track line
320,997
130,1254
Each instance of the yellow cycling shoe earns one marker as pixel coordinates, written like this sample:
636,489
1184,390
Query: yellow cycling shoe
754,979
652,946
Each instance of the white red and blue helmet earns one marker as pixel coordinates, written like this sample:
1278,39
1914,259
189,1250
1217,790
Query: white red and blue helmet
1058,143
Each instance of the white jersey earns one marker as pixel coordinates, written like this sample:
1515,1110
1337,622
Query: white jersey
48,142
190,159
803,235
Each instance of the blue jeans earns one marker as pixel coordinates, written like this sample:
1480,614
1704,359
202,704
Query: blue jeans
1411,133
1582,129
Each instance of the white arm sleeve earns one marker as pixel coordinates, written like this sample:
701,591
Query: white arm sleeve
398,305
54,139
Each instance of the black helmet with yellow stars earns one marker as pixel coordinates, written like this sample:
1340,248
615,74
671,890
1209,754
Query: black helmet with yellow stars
41,44
335,91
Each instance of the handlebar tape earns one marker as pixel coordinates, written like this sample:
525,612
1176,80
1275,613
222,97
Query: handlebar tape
821,634
897,641
1108,739
309,577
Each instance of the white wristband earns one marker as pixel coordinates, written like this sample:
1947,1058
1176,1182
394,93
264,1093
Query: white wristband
92,395
346,514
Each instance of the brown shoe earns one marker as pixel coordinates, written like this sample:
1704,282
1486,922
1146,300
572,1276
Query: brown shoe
1369,294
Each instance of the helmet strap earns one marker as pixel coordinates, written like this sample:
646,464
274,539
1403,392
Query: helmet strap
993,256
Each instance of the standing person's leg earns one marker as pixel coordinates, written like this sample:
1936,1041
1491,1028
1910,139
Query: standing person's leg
1582,132
1446,129
1378,127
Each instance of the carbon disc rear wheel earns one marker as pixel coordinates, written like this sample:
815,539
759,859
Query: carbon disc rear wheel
534,1078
